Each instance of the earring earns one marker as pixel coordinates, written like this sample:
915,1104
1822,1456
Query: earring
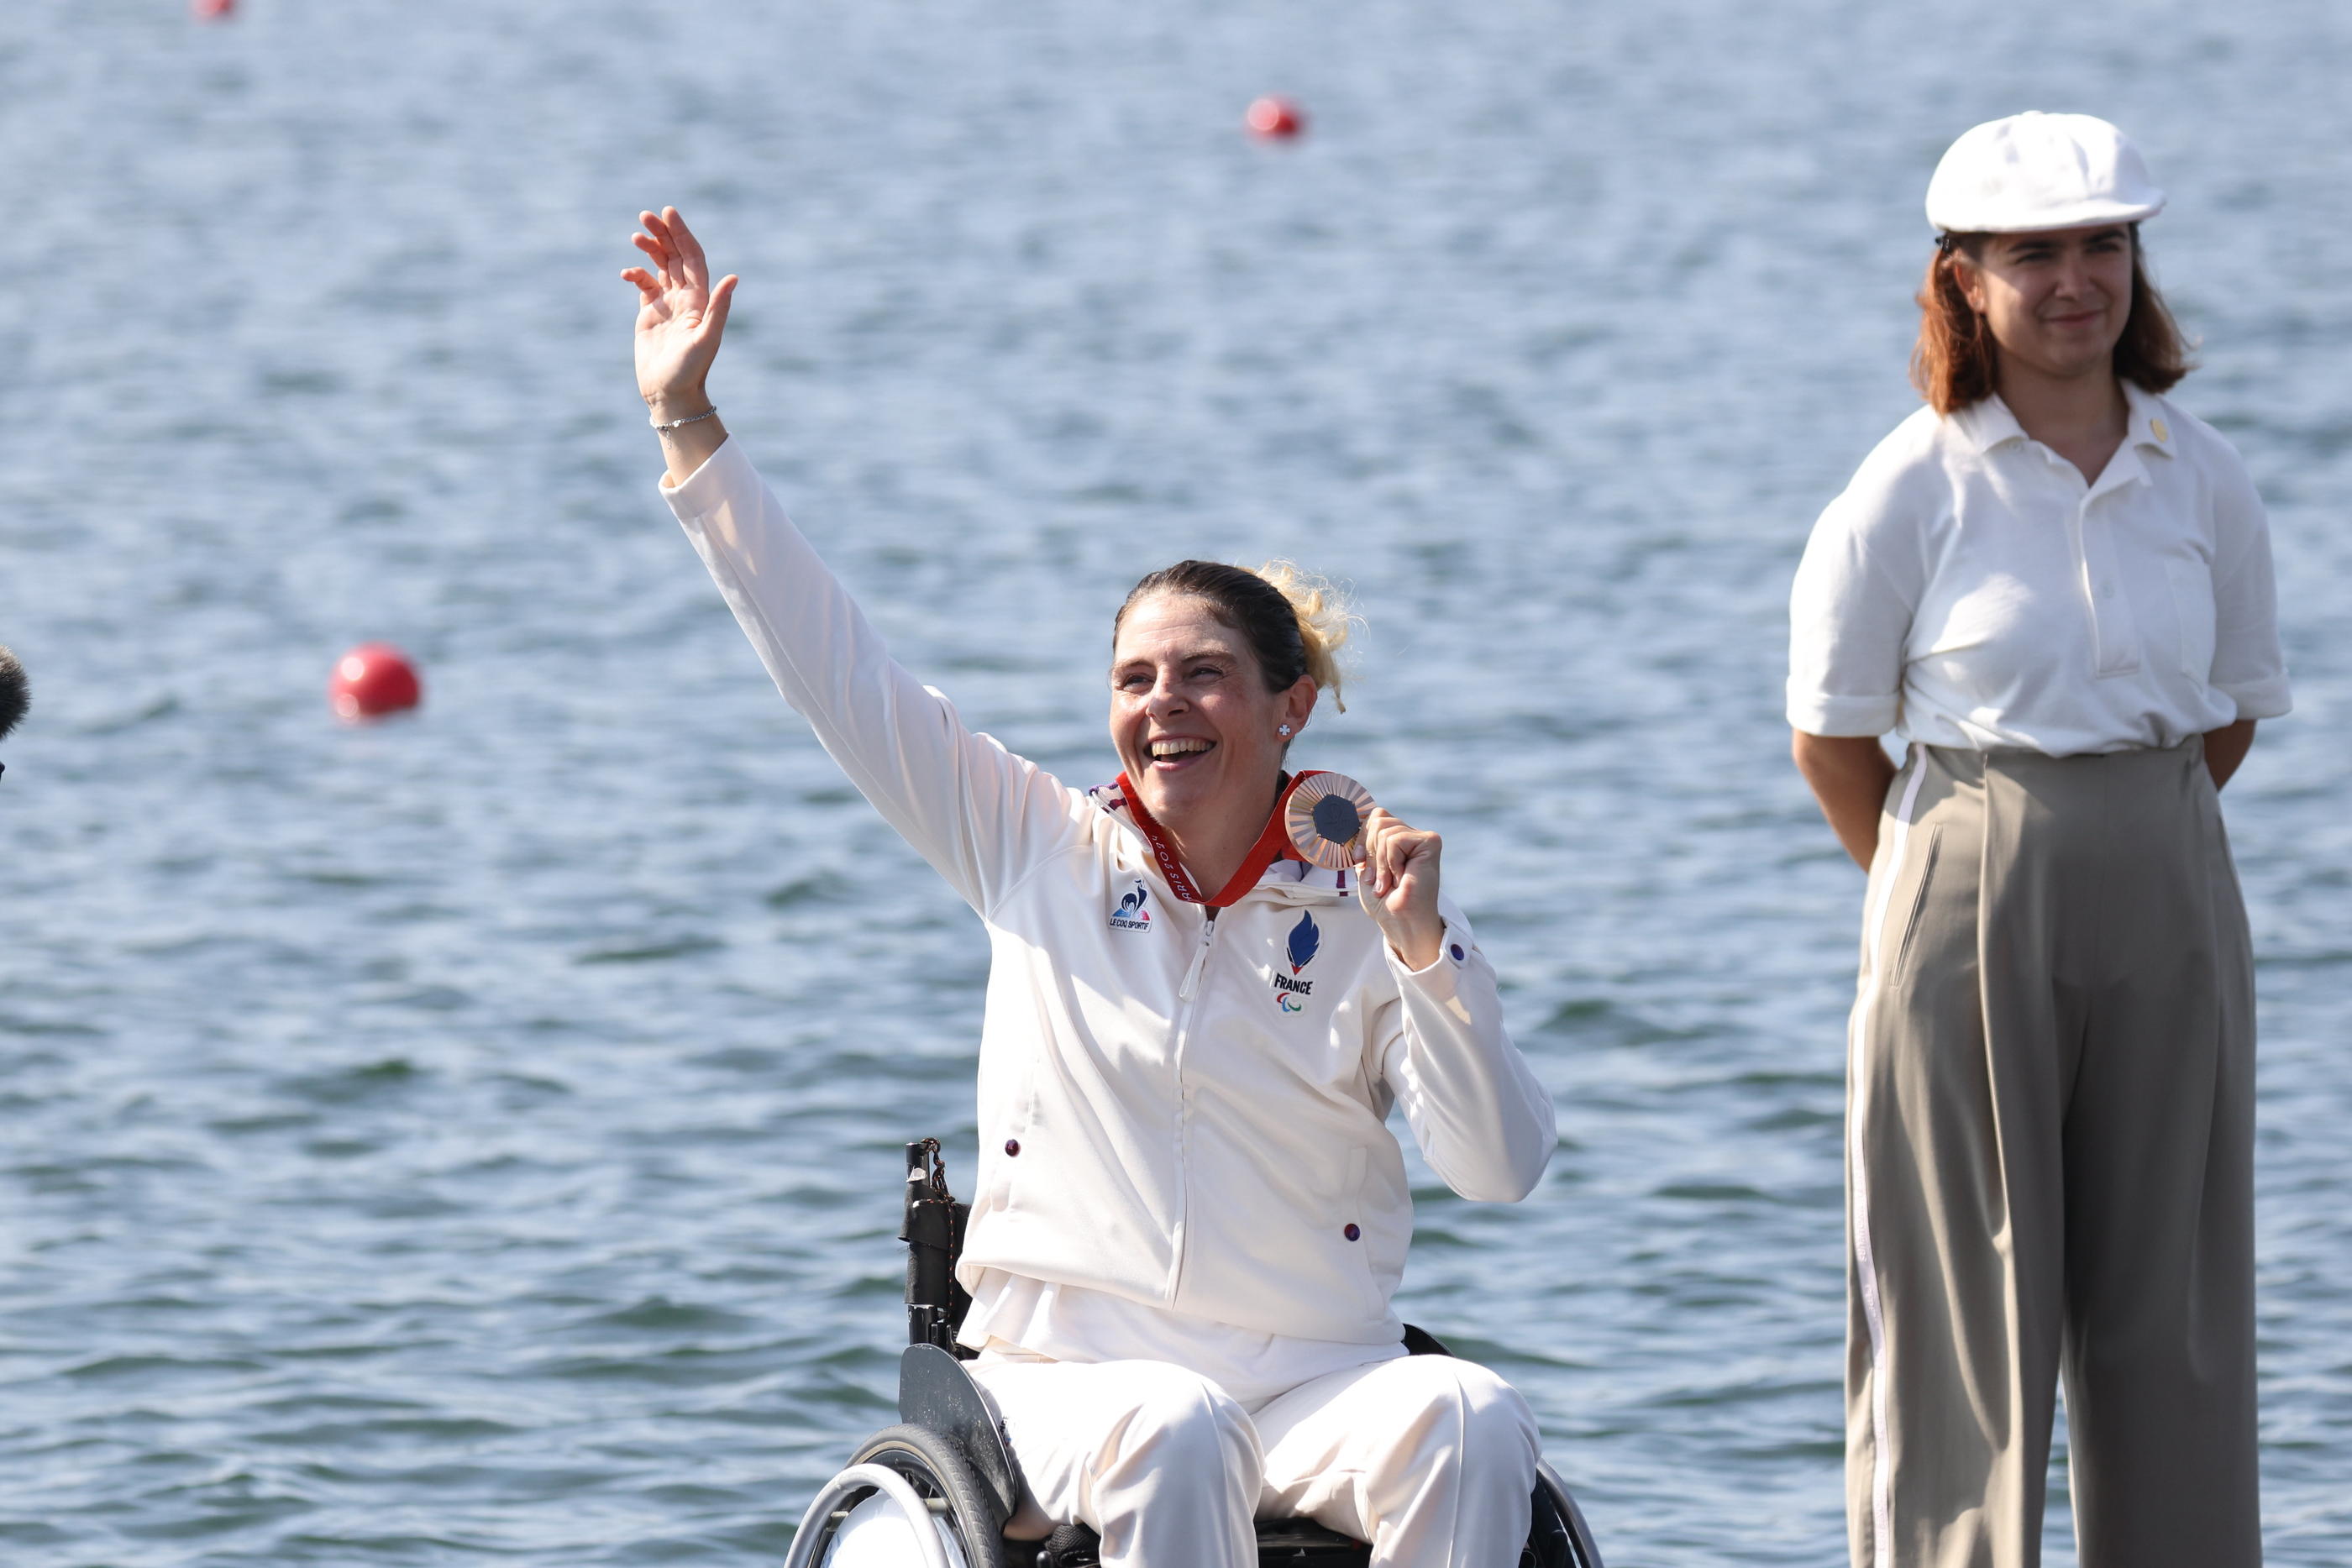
1284,731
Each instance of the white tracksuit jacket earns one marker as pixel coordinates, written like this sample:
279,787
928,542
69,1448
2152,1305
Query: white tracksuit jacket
1183,1112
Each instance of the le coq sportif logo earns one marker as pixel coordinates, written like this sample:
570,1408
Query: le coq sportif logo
1131,915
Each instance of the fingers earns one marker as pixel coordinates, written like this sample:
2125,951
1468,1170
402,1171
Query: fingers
1391,849
1371,860
714,321
689,248
646,287
661,242
1398,887
659,279
676,255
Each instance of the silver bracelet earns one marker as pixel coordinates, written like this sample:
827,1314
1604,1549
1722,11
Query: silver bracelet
711,413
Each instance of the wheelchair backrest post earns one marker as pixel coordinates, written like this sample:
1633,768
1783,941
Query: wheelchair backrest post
932,1228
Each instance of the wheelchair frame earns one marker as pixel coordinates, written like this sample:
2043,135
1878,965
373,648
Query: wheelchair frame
949,1459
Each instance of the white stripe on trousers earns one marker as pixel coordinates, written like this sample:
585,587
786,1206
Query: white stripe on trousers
1882,1477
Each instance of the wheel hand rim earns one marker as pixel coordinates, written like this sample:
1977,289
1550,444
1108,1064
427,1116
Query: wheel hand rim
813,1535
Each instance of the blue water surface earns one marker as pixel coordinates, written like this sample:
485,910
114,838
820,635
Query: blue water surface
473,1139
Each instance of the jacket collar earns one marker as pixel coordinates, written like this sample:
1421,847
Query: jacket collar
1287,880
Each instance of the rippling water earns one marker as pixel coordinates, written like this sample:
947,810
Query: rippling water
474,1138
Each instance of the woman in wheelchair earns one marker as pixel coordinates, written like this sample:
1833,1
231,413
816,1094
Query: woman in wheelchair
1190,1214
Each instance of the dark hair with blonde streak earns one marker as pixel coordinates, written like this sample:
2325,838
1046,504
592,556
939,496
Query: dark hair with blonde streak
1293,620
1954,363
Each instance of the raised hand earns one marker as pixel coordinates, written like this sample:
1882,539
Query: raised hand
1397,884
680,316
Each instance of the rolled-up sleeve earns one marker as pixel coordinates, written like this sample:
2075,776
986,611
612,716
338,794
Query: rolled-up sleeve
2249,665
1848,621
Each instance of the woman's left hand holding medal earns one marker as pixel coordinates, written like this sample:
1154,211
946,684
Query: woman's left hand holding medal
1397,884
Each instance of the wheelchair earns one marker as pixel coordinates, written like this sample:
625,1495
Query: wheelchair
935,1491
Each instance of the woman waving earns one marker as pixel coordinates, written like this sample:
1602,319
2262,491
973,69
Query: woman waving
1189,1214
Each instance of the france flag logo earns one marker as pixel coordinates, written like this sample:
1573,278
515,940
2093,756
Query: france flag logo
1305,938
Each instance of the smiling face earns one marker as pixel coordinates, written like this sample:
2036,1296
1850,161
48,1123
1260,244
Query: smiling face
1196,729
2056,299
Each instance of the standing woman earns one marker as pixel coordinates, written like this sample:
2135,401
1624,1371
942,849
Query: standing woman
2055,585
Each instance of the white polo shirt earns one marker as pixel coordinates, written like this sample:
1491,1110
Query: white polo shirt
1968,590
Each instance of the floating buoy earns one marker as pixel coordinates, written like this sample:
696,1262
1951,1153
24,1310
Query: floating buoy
372,680
212,10
1273,117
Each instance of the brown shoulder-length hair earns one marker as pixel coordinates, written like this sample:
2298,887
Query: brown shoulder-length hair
1955,361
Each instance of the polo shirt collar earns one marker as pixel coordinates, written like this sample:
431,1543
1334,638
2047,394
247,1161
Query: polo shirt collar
2148,423
1986,423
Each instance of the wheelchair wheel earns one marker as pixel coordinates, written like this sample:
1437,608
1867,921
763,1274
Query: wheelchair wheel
1558,1537
866,1516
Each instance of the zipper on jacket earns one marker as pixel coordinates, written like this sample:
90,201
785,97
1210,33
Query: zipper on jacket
1199,961
1184,1103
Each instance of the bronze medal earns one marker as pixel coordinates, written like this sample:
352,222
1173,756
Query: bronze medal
1325,817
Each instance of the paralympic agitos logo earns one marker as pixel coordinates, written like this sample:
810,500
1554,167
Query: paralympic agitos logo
1290,992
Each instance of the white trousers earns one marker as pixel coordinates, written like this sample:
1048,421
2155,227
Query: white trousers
1431,1459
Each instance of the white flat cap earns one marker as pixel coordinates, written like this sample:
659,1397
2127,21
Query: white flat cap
2036,170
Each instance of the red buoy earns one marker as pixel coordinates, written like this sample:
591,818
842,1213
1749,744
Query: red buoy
372,680
212,10
1272,117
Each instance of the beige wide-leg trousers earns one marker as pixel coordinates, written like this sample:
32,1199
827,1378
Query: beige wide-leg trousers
1431,1459
2049,1167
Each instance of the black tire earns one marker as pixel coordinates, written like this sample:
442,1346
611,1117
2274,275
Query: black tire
1559,1537
937,1471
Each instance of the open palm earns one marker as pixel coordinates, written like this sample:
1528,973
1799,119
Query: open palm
681,314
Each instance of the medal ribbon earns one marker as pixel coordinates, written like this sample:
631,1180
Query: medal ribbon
1272,845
